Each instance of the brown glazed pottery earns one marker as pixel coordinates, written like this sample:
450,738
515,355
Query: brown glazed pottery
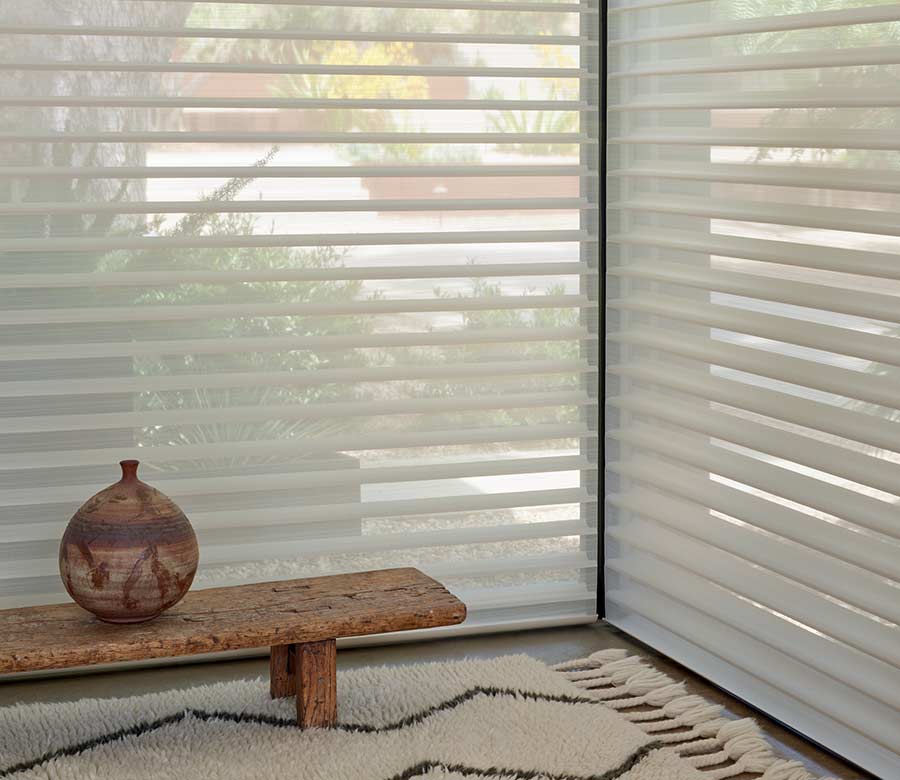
129,552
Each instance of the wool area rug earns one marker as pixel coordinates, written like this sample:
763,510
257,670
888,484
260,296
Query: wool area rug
607,717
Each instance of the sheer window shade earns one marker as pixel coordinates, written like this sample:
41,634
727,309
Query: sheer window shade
753,530
327,268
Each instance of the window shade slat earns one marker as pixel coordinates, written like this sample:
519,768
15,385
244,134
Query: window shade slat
282,171
363,104
272,137
831,58
344,273
237,33
455,570
643,5
782,137
525,595
454,537
771,175
213,311
49,388
309,446
298,206
317,411
290,343
453,5
287,240
826,218
402,508
304,69
826,258
760,99
762,24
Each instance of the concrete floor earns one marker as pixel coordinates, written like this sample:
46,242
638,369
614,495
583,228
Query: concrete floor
550,645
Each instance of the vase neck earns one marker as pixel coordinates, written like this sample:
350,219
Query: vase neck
129,470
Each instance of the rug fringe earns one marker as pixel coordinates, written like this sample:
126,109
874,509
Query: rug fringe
719,747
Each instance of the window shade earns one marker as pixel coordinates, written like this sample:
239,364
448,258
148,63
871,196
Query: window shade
753,530
327,268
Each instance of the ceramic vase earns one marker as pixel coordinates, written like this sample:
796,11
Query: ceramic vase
129,552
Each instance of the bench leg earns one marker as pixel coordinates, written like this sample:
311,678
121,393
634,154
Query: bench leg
282,676
316,675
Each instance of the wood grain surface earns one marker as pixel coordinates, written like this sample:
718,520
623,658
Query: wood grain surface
316,670
282,672
234,618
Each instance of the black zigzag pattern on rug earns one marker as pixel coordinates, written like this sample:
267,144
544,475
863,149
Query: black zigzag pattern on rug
268,720
498,773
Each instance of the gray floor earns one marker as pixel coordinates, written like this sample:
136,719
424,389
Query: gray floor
550,645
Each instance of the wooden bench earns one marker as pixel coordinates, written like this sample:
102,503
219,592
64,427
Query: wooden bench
299,619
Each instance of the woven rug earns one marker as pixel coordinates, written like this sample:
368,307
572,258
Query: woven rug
607,717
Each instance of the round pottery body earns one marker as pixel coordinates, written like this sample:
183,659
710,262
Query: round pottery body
129,552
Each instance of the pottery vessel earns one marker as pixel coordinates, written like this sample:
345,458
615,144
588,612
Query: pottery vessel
129,552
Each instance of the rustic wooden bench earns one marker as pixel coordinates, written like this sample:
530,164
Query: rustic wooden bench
299,619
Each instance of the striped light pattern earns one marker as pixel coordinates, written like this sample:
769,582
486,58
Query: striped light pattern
328,268
754,362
